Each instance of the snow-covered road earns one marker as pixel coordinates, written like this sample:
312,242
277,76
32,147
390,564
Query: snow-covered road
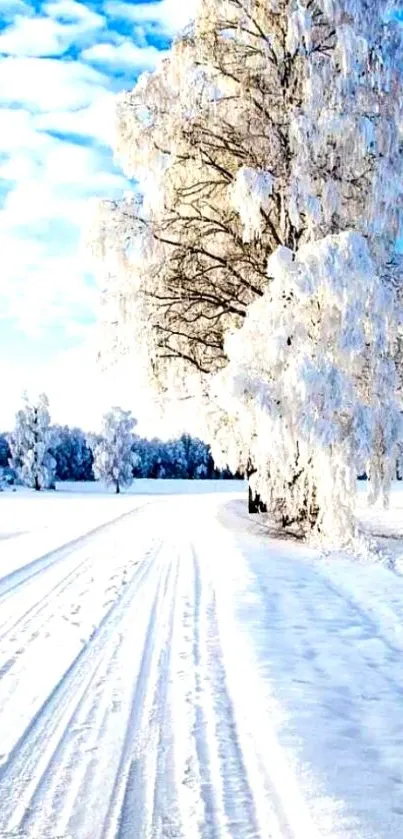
173,675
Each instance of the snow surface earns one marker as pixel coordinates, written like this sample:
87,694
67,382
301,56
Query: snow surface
169,670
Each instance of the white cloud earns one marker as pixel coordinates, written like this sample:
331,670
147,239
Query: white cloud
123,55
66,23
40,288
60,173
41,280
47,84
17,131
46,180
96,121
10,8
70,11
39,36
169,15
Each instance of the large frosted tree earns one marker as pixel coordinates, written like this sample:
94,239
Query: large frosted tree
271,124
31,443
113,451
311,387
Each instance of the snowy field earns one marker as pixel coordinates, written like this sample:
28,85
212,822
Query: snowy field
169,671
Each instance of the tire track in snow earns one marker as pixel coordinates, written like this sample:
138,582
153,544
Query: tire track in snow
207,751
79,784
12,620
238,805
204,782
131,808
31,607
38,748
177,806
36,654
40,608
251,755
161,727
15,579
237,795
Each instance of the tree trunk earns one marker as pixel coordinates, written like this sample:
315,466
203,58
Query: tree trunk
303,515
255,503
37,485
117,488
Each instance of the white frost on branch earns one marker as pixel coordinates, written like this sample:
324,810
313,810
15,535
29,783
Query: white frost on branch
250,194
299,31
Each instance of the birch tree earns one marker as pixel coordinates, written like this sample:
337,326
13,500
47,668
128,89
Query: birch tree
271,124
311,387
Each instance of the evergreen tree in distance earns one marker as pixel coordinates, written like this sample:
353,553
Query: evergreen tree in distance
72,454
5,453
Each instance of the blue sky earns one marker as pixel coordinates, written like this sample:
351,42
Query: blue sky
61,64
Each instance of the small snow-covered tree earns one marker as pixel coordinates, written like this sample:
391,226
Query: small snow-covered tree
113,451
31,443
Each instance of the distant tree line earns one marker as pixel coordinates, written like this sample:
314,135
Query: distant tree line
185,457
40,454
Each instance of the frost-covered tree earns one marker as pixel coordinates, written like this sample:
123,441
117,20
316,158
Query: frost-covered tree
311,385
31,444
272,123
113,451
